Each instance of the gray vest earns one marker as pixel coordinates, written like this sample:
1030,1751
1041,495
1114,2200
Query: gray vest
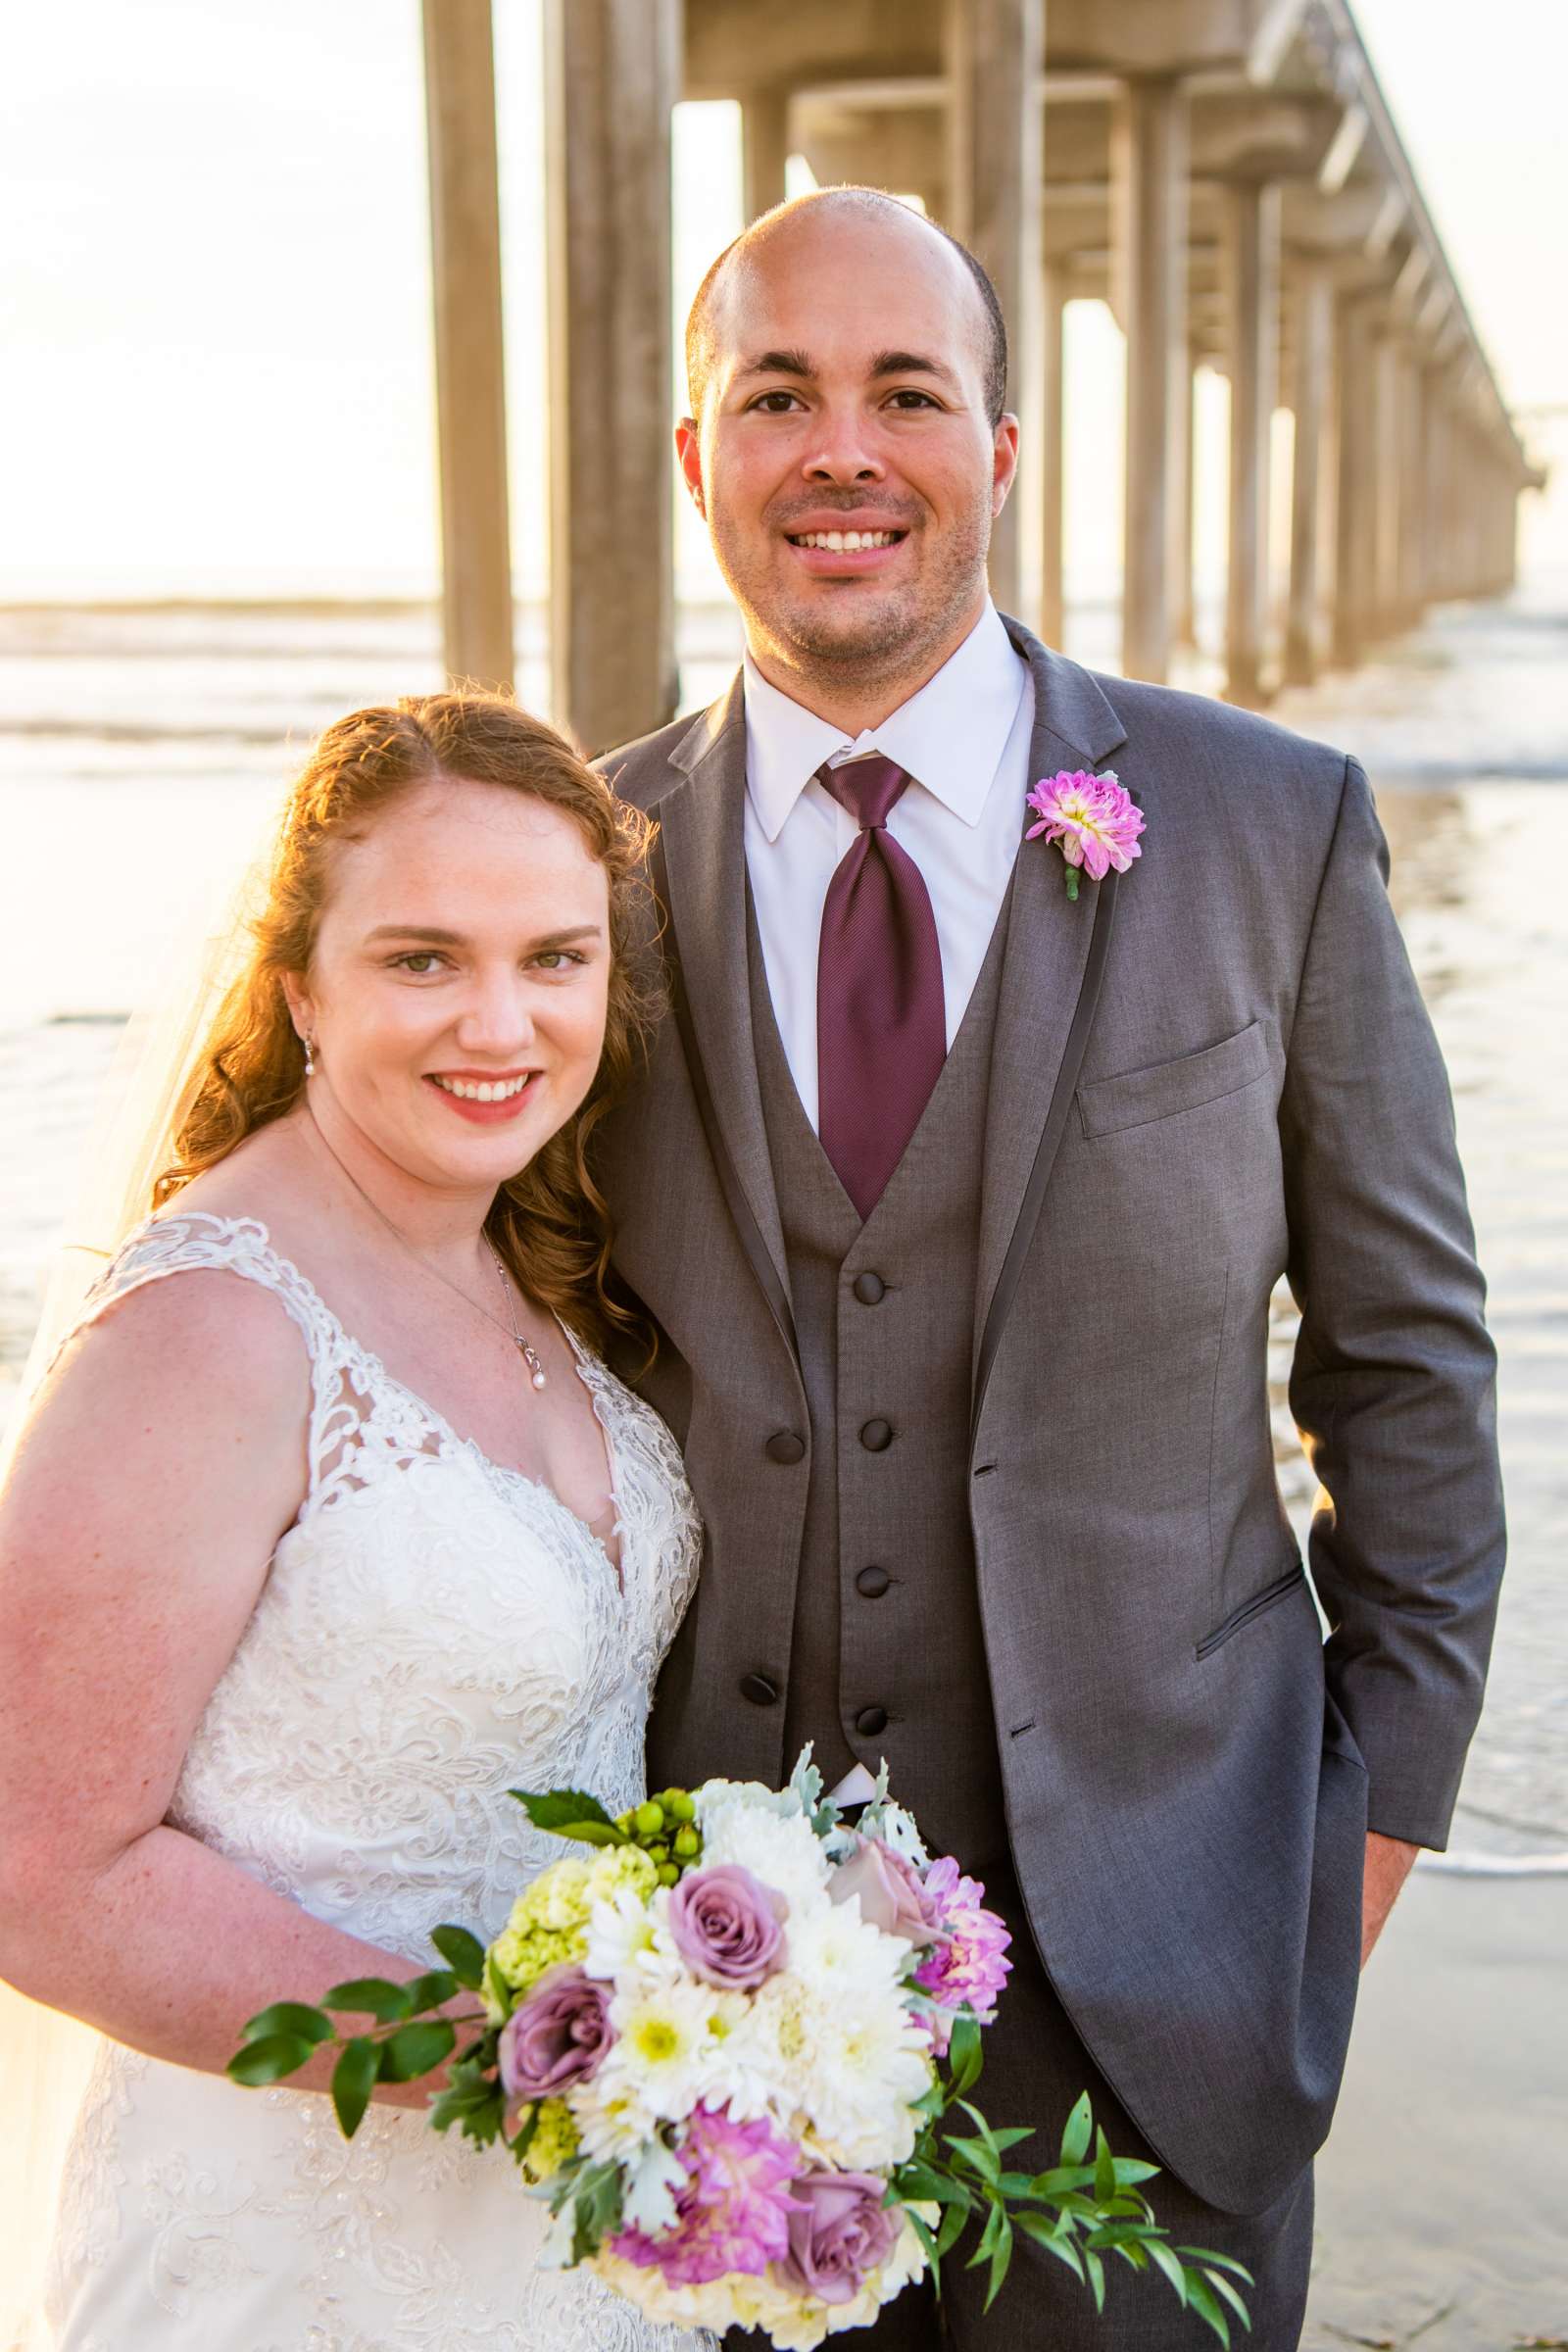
887,1657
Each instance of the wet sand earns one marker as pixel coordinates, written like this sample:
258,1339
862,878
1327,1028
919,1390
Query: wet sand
1442,2196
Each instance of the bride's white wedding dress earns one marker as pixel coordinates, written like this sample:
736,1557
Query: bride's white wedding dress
434,1629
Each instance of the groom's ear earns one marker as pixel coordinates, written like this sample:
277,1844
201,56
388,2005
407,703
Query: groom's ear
689,457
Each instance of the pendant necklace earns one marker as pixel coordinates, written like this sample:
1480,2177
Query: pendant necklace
538,1377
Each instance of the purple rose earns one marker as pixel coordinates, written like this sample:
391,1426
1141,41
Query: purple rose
840,2231
728,1927
555,2036
891,1894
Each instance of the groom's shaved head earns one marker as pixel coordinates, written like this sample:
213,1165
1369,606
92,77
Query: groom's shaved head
873,205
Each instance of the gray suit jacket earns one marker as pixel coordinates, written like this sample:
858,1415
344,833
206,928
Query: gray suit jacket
1209,1071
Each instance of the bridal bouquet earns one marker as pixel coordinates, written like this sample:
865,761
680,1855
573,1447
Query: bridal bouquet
727,2047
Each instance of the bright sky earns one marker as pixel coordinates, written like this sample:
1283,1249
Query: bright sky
215,294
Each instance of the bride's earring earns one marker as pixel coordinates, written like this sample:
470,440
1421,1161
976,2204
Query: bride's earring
310,1057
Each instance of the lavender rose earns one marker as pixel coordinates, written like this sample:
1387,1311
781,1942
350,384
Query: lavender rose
840,2231
891,1895
555,2036
728,1927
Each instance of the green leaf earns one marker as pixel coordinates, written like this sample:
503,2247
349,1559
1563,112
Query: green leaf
976,2157
1060,2179
473,2100
996,2223
1057,2242
933,2253
415,2049
1104,2170
1164,2259
462,1953
375,1997
1080,2125
290,2017
953,2222
964,2055
521,2139
1130,2170
268,2058
916,2182
1000,2260
353,2078
571,1813
1094,2270
1200,2298
1011,2138
1222,2286
1221,2262
428,1992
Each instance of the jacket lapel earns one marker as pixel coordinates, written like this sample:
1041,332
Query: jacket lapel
701,863
1052,963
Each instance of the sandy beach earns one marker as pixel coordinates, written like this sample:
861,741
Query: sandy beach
1442,2196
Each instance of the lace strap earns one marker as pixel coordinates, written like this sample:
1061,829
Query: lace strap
197,1242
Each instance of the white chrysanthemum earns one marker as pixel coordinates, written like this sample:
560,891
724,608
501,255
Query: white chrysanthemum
782,1850
668,2029
625,1932
832,2037
613,2121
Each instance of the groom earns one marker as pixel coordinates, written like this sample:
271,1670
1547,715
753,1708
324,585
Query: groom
960,1202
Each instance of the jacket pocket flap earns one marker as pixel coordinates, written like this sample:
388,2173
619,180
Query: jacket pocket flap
1158,1093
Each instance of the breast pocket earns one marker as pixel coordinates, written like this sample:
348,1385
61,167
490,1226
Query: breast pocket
1138,1097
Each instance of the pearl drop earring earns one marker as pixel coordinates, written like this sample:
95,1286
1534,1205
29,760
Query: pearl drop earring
310,1057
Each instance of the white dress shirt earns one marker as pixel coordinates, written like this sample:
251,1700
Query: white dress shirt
964,740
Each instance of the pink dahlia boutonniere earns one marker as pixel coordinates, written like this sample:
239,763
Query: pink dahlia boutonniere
1093,819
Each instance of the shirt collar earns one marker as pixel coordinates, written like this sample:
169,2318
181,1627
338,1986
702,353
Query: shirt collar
950,736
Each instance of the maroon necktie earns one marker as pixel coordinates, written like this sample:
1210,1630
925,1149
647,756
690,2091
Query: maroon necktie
881,1023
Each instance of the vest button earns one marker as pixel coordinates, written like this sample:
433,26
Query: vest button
871,1721
876,1436
758,1689
873,1582
869,1289
785,1446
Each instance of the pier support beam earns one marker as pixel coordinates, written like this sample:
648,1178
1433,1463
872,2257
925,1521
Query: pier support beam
1149,240
764,149
1252,296
1053,452
470,366
1389,413
1355,486
1313,295
1179,509
611,76
995,55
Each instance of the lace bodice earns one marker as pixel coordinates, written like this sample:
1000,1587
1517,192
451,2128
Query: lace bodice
434,1629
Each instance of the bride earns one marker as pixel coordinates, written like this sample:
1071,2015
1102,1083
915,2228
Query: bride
309,1555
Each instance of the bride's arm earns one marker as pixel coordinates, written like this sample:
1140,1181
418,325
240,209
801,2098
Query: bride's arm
163,1461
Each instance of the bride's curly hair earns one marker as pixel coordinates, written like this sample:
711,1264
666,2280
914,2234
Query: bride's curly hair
550,1221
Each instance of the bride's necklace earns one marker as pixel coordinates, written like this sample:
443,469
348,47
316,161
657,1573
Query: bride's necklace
524,1346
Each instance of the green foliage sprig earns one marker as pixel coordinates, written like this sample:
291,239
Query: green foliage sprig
1083,2208
408,2041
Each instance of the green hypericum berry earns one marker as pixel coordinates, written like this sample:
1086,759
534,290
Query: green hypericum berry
687,1845
668,1875
680,1806
650,1818
659,1851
